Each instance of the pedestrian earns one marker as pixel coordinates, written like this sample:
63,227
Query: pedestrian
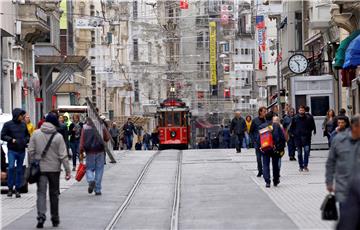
75,133
254,134
155,138
114,132
16,134
63,130
302,126
287,124
342,113
343,153
247,139
67,120
146,140
221,136
273,154
328,126
341,127
129,131
93,146
30,127
50,167
237,129
226,137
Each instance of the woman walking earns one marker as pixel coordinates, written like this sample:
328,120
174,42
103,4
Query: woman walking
329,125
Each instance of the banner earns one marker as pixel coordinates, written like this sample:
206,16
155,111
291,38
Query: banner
261,39
212,46
184,4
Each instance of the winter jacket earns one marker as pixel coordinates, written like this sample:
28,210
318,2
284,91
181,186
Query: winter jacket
226,134
17,130
302,128
238,126
63,130
129,129
56,154
340,161
88,131
114,132
146,138
254,131
75,131
30,127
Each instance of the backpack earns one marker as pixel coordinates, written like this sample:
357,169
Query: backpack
266,139
91,141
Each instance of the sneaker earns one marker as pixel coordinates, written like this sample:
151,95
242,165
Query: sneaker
91,187
259,175
40,223
306,169
98,194
276,183
17,194
267,185
74,169
10,193
55,223
301,169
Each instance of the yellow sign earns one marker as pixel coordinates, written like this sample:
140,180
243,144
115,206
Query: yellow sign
212,46
63,18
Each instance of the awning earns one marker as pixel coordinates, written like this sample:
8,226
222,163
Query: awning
200,123
352,54
340,52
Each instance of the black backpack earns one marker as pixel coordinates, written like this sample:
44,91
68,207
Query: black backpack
92,142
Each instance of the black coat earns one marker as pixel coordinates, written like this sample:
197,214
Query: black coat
238,126
17,130
129,129
302,127
254,130
63,130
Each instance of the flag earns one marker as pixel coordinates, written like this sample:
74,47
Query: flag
278,58
260,22
260,59
184,4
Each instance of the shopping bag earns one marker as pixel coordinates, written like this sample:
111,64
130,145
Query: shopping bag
80,172
328,208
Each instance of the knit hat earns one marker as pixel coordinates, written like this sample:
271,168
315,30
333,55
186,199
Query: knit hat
52,118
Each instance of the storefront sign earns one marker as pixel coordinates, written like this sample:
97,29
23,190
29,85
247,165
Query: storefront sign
212,28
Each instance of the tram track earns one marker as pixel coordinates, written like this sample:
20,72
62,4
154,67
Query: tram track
174,216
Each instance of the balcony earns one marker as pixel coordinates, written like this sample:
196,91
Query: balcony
320,16
34,22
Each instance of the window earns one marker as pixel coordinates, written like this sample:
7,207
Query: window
149,52
171,12
246,51
200,40
242,51
319,105
298,31
135,9
136,50
207,39
300,100
177,118
226,47
136,93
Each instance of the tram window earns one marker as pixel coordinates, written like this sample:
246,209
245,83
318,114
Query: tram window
169,119
161,119
319,105
184,119
177,119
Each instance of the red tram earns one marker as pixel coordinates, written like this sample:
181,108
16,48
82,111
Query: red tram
173,124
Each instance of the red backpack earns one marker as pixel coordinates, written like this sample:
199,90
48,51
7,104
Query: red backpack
266,139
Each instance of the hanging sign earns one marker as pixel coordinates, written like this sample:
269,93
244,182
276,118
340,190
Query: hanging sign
184,4
212,46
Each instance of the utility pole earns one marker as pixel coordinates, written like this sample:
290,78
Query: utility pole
278,18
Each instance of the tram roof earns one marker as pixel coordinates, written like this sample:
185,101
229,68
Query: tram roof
172,109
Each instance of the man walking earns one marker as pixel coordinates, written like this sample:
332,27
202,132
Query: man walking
254,134
129,130
238,128
146,140
93,146
75,132
50,167
279,145
287,124
114,132
341,127
16,134
343,153
302,131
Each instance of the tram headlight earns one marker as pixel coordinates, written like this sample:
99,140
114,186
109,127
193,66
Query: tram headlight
173,134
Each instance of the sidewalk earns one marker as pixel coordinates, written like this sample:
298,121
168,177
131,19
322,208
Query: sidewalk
299,195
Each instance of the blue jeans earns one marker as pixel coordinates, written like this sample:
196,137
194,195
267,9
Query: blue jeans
246,141
75,148
95,169
17,157
147,146
275,168
291,147
129,141
259,155
303,160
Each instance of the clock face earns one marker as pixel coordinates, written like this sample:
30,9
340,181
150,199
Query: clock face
298,63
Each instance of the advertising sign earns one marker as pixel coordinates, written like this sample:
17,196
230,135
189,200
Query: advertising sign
212,46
